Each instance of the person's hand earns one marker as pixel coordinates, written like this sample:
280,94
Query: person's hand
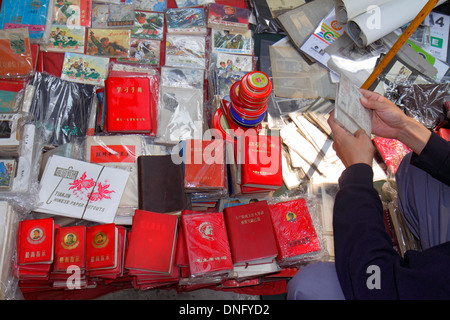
351,148
390,122
387,118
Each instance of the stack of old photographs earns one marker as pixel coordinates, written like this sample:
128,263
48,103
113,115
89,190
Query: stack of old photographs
180,114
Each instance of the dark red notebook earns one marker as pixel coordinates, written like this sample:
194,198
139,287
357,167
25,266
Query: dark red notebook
251,235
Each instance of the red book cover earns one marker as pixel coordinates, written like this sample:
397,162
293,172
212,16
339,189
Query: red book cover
207,243
129,105
156,235
392,151
204,164
294,229
70,248
117,270
444,133
36,241
181,258
251,235
260,161
101,246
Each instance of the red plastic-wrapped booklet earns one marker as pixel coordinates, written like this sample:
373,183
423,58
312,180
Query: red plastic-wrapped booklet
101,246
152,242
70,248
204,165
294,229
131,105
260,158
206,243
392,151
36,241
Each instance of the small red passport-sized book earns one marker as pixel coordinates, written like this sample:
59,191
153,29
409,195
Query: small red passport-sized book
250,230
207,243
294,229
101,246
117,270
70,248
392,151
152,243
260,159
129,105
36,241
204,164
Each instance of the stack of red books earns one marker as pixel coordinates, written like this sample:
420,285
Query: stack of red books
70,255
105,249
256,171
35,247
204,173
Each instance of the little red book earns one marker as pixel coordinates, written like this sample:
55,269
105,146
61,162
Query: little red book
207,243
129,105
251,235
117,270
101,246
36,241
294,229
70,248
204,164
392,151
152,242
260,161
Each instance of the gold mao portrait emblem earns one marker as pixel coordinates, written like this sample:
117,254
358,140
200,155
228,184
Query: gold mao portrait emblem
291,217
100,240
70,241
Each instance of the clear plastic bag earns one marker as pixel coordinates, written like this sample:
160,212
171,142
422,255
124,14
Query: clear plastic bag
180,115
424,102
62,108
36,16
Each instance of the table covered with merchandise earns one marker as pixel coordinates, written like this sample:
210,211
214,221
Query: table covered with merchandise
184,145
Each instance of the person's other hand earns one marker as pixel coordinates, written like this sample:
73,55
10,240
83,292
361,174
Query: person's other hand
351,148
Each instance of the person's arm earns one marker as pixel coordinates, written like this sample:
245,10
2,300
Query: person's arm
360,238
431,152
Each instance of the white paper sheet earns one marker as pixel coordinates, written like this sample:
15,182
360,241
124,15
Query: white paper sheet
372,25
348,9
